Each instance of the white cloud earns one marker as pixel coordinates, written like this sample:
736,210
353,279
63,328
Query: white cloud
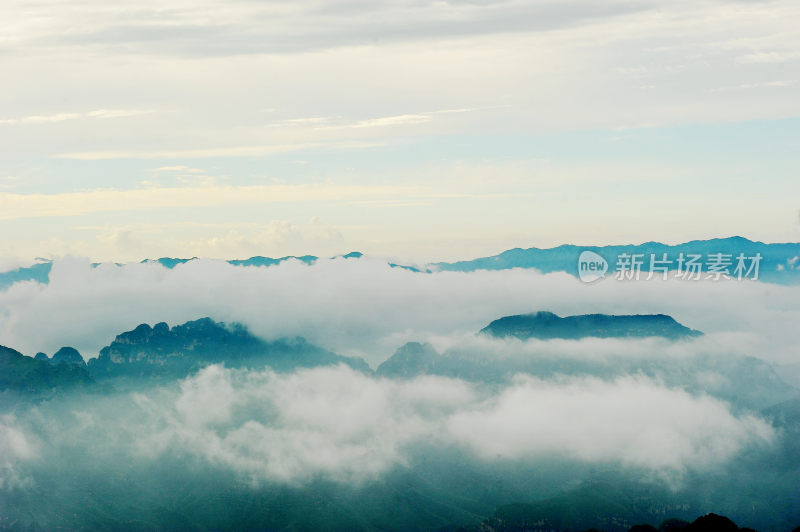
278,237
342,425
62,117
216,28
391,121
118,113
331,421
759,85
304,121
10,262
396,120
76,203
41,119
15,446
181,169
337,422
768,57
365,307
228,151
630,420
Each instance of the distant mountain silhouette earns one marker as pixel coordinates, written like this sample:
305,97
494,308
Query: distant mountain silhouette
268,261
593,505
712,523
27,375
160,351
68,355
779,264
65,355
785,414
745,381
411,360
39,272
610,508
546,325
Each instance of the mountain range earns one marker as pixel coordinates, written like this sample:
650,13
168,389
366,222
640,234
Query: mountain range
28,376
442,492
158,353
743,380
780,262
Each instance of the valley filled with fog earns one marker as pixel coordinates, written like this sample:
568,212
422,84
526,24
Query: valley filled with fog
349,394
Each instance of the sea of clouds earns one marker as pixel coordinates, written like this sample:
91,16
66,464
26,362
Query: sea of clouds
337,423
365,307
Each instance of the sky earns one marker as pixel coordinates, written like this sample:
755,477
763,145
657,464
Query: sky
415,130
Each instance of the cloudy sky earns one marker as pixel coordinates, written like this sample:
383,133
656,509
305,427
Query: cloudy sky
406,128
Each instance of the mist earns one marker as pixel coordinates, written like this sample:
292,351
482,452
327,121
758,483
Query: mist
347,426
259,433
367,308
495,421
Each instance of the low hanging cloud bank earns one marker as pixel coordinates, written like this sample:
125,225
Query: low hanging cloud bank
632,421
15,446
342,425
364,307
720,364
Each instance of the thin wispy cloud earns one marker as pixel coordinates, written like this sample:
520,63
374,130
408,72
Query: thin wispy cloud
768,57
307,120
181,169
62,117
761,85
18,206
41,119
397,120
119,113
211,28
229,151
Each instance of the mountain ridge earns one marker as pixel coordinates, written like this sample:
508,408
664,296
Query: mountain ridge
548,325
745,380
161,351
27,375
780,263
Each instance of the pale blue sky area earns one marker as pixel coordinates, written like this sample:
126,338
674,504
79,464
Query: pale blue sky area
422,131
716,152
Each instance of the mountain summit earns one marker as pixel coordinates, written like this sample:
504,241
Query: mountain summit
161,351
547,325
29,376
